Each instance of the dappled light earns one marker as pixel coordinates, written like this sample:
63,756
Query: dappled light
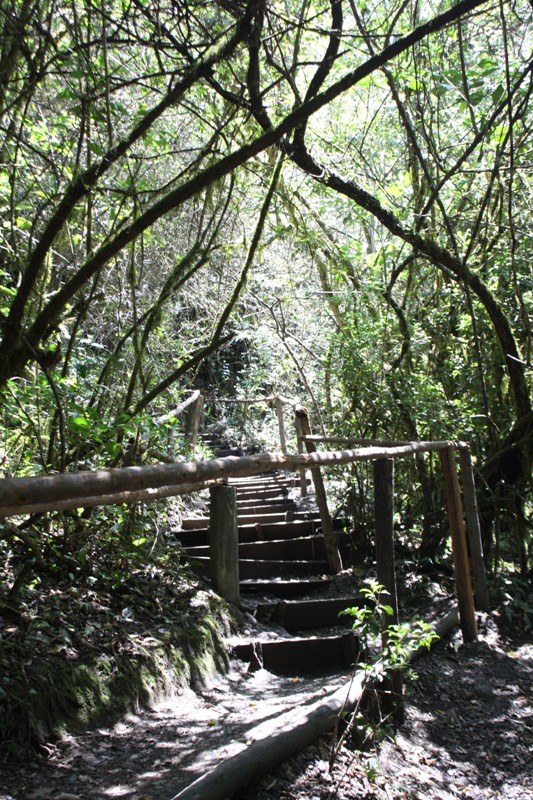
266,348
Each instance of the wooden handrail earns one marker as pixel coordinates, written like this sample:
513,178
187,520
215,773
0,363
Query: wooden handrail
179,409
23,495
131,484
245,400
427,446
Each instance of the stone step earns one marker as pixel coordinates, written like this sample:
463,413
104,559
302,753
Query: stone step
300,656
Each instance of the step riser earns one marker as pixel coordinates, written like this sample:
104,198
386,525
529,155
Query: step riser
254,533
301,656
265,569
300,615
274,480
282,589
265,490
281,555
246,518
307,549
258,509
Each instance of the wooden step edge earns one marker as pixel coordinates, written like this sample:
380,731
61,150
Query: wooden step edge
267,544
300,655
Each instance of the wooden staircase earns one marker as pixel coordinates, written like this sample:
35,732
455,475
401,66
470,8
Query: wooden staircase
283,572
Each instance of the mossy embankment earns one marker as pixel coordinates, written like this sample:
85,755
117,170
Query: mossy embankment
73,657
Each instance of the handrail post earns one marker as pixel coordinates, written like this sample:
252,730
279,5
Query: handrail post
301,448
281,425
194,419
385,568
224,542
481,592
330,539
460,553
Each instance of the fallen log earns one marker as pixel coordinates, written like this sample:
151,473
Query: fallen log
442,628
273,741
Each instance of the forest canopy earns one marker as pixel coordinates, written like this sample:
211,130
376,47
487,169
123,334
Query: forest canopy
326,200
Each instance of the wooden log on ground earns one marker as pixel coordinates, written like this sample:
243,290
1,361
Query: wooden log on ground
460,553
442,628
272,742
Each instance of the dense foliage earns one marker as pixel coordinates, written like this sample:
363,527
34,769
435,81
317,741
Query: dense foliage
326,200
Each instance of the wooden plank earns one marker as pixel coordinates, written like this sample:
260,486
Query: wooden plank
299,615
264,505
279,530
283,588
303,548
247,518
301,656
266,568
460,553
244,519
257,533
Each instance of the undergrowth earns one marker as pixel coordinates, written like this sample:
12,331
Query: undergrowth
86,645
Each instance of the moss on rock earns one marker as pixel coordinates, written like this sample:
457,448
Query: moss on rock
45,694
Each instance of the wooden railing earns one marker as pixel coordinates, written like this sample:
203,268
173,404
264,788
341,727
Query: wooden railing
28,495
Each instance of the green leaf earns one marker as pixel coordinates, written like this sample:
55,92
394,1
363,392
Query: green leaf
497,94
78,424
23,224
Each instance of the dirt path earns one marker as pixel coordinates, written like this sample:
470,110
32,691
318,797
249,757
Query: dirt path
470,726
468,734
154,754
